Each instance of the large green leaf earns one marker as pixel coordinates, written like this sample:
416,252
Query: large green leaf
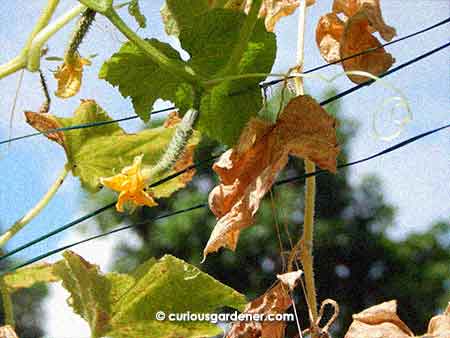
139,77
128,303
209,36
102,151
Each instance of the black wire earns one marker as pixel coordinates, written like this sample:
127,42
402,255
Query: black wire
204,205
262,85
327,101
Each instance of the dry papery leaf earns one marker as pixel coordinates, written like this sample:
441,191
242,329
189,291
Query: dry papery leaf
275,301
7,331
248,171
439,326
337,39
373,11
379,321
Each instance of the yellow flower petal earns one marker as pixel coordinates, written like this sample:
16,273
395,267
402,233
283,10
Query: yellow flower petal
69,76
131,186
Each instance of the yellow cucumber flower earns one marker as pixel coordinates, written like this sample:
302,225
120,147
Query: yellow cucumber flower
69,76
131,185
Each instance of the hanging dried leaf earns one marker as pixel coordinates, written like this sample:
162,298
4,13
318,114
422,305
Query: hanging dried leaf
274,301
373,11
7,331
248,171
329,32
338,39
357,38
439,326
69,76
379,321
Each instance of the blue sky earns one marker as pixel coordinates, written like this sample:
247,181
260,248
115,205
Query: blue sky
415,179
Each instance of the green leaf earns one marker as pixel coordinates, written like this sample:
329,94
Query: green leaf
140,78
89,291
172,286
135,11
125,305
103,151
28,276
208,35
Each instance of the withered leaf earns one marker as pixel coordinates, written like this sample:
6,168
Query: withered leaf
7,331
45,122
338,39
439,326
379,321
274,301
357,38
329,32
373,11
248,171
69,76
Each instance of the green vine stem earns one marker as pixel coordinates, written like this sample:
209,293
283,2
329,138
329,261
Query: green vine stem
8,308
18,225
306,241
20,61
34,54
244,37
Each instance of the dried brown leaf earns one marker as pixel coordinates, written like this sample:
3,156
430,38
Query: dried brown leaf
338,39
46,122
329,32
439,326
373,11
69,76
7,331
379,321
274,301
248,171
357,38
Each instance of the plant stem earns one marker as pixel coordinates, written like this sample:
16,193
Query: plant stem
20,61
176,68
306,254
18,225
34,54
43,20
244,37
8,309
